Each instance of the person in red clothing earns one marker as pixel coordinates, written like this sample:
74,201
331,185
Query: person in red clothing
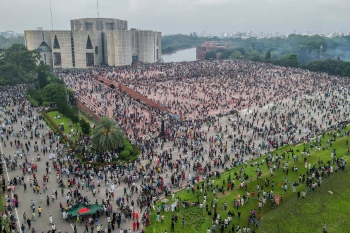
253,194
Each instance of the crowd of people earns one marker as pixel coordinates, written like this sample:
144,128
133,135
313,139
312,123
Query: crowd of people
226,113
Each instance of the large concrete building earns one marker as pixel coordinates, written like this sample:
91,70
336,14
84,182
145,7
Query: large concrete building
95,41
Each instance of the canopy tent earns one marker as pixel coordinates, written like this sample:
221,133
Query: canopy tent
82,209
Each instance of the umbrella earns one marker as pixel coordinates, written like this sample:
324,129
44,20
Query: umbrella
83,210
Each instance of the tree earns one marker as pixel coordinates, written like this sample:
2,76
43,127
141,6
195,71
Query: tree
11,74
42,75
73,114
220,50
268,55
54,92
107,136
85,126
293,60
236,55
253,55
18,54
17,65
8,42
210,55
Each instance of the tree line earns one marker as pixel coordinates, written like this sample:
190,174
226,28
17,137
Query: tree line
314,53
18,65
8,42
173,43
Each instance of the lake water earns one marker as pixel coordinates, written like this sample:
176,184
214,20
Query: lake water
181,55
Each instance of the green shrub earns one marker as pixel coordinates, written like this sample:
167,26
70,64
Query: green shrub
124,154
129,148
85,126
32,101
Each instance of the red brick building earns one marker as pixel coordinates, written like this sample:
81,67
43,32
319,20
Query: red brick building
208,46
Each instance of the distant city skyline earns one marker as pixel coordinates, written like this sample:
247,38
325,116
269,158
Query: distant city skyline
185,16
242,34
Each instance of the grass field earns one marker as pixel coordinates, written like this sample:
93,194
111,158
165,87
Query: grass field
302,215
308,214
63,120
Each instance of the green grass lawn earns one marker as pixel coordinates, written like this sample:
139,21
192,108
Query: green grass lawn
308,214
63,120
67,122
303,215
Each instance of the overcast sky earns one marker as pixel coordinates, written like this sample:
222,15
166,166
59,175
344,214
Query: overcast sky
183,16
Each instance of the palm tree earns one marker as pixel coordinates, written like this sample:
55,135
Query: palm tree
107,136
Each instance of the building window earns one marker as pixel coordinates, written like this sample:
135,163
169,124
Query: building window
88,43
89,26
57,59
56,45
89,59
109,26
73,55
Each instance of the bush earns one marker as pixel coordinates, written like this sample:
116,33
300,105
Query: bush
85,126
126,143
124,154
32,101
129,148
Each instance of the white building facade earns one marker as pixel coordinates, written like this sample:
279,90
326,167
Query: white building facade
95,41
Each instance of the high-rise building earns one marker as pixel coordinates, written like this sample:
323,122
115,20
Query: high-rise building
95,41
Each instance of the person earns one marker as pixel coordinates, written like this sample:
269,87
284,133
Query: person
29,223
23,228
75,228
324,227
183,223
172,226
86,227
39,211
50,219
33,230
213,227
208,231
